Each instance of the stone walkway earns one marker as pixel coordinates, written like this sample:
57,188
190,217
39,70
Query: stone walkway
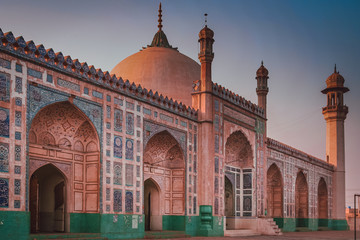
338,235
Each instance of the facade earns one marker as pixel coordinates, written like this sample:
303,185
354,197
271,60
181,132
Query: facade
83,151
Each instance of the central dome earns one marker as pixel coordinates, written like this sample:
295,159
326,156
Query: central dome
161,69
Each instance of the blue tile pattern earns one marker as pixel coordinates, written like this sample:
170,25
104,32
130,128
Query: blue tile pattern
117,147
4,122
4,87
117,200
194,205
118,117
18,84
216,164
4,193
18,152
97,94
18,118
17,170
5,63
34,73
129,123
129,174
49,78
18,101
129,202
117,173
4,157
68,84
107,194
18,135
17,186
86,91
129,149
16,203
108,111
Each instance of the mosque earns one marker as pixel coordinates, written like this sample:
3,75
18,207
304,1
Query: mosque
86,153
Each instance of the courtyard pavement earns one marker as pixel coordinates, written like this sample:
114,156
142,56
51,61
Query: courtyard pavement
339,235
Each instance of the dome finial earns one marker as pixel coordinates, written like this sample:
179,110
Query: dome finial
205,19
335,68
160,19
262,63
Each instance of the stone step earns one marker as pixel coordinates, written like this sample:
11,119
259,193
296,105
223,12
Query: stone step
64,236
165,234
240,233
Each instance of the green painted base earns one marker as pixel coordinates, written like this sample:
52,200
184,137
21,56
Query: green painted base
122,226
14,225
173,223
84,222
338,224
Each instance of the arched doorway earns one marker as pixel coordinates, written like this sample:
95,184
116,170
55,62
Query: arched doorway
274,192
62,138
152,206
238,171
322,203
164,162
301,200
47,200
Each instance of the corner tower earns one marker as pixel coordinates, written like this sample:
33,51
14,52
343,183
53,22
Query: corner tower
335,114
262,75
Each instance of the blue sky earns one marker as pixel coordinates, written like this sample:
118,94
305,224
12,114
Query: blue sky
299,41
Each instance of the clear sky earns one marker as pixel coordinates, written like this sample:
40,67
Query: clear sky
299,41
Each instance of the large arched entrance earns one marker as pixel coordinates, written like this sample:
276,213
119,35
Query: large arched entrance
322,203
47,200
301,200
152,206
239,165
164,162
63,142
274,192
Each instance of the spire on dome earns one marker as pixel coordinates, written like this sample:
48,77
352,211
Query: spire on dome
160,39
335,68
160,19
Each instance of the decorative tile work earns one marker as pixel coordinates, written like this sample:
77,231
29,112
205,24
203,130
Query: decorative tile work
129,174
5,63
18,84
195,184
195,142
18,118
18,135
137,184
138,121
16,203
108,137
138,158
216,105
117,200
18,101
216,185
108,98
118,117
129,201
129,123
138,133
108,153
138,108
138,171
108,125
4,193
118,101
117,147
107,207
195,164
4,87
108,166
17,186
108,111
137,196
155,114
17,152
129,149
108,180
4,157
18,68
4,122
68,84
216,206
107,194
247,206
34,73
184,124
137,209
217,143
97,94
17,170
49,78
117,173
130,105
146,111
86,91
138,146
217,122
247,181
166,118
216,164
194,205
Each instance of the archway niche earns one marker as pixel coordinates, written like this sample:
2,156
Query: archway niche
322,203
238,189
164,161
47,200
301,200
63,137
274,192
153,218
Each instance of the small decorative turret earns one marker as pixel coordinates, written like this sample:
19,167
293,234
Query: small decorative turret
262,86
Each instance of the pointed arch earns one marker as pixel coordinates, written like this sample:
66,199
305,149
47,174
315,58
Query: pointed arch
152,203
238,151
322,203
275,193
301,200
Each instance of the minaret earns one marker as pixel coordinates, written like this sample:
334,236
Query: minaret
262,86
202,99
335,113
